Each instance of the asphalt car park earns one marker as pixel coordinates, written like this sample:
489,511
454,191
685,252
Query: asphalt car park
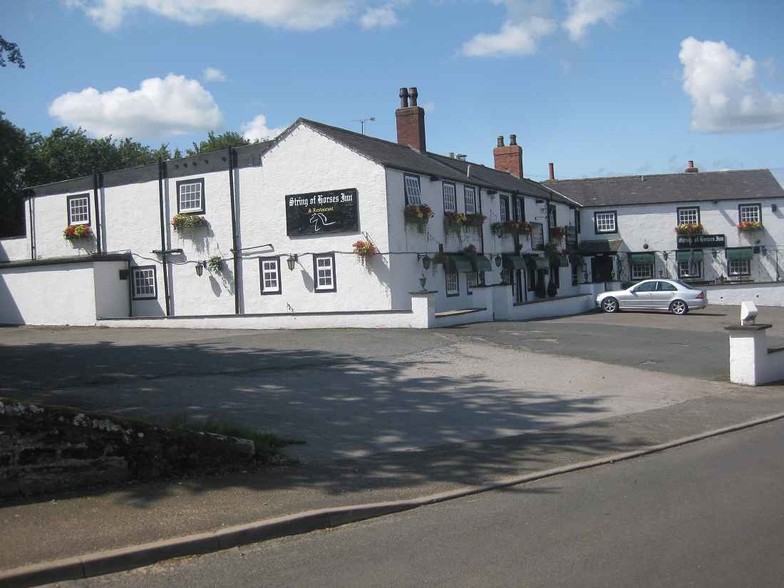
354,393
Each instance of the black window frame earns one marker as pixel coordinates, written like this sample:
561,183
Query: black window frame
552,215
443,195
134,270
261,277
203,207
596,230
519,209
405,188
678,213
504,209
85,196
758,206
578,221
316,257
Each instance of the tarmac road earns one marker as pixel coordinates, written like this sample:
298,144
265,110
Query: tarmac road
705,514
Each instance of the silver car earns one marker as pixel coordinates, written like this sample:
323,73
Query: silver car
672,295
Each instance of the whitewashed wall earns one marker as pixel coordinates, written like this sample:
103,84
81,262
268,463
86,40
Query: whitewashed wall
15,249
48,295
51,219
303,162
112,294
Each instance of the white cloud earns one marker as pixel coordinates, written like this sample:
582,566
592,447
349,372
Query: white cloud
586,13
724,90
257,129
160,107
513,39
287,14
213,74
379,17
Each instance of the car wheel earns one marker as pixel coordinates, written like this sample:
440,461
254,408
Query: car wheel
679,307
610,304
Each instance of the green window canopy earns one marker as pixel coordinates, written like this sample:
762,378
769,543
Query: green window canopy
482,264
739,254
563,261
460,263
536,263
642,258
512,261
687,255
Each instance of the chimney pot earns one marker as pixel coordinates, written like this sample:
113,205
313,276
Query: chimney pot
690,168
500,140
413,94
513,139
403,98
552,170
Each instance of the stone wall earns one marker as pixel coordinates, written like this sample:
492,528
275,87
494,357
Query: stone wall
46,449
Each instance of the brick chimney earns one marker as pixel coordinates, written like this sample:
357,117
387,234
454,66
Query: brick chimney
691,169
509,159
410,120
552,171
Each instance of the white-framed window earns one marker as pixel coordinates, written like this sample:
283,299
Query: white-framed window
269,268
690,269
79,209
642,271
469,195
324,272
145,286
605,222
503,208
749,213
739,267
450,198
472,281
413,191
190,196
689,215
452,284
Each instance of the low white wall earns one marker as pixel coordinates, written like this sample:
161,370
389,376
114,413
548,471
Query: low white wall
770,294
48,295
552,308
14,249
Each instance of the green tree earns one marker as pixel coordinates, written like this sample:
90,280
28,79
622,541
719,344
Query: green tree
14,156
13,53
214,142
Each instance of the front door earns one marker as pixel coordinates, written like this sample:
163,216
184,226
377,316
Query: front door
602,268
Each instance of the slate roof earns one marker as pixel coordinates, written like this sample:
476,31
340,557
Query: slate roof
753,184
404,158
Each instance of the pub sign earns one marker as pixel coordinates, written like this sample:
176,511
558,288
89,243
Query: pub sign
701,241
317,213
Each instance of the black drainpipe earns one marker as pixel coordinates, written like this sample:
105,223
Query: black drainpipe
235,246
31,214
99,248
161,173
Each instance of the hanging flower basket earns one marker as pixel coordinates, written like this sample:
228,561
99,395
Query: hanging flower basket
474,220
557,233
749,226
454,222
365,249
184,223
419,215
511,227
215,264
689,229
74,233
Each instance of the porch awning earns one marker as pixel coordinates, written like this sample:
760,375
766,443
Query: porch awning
482,264
536,263
642,258
599,246
687,255
739,254
512,261
460,263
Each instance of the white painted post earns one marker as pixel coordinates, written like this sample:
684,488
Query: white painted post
748,354
423,307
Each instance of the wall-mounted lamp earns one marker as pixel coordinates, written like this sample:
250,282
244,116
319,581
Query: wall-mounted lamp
714,253
423,281
665,255
425,258
764,250
200,265
645,246
774,207
291,262
498,261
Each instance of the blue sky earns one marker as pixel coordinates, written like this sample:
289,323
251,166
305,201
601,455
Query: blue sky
600,87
